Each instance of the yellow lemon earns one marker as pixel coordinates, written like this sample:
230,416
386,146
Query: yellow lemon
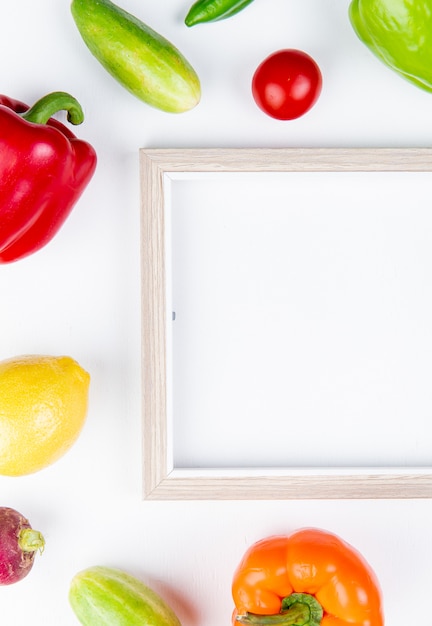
43,407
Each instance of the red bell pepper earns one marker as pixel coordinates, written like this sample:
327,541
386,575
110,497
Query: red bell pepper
44,169
310,577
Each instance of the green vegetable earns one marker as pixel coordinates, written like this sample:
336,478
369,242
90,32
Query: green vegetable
213,10
103,596
143,61
399,33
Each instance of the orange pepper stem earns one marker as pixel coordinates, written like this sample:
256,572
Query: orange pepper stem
298,609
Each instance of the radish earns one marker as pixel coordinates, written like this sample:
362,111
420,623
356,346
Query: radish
18,546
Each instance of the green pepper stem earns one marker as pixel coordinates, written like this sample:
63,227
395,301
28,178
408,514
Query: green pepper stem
52,103
298,609
30,540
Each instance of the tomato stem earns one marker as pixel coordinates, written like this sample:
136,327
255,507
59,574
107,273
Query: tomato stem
298,609
30,540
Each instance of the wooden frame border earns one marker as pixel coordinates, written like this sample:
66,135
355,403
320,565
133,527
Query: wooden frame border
162,481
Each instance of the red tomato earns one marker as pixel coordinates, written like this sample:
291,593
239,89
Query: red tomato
287,84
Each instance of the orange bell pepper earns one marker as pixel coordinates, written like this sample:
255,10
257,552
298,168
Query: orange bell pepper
308,578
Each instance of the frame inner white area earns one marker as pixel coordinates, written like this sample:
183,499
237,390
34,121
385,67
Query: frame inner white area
303,319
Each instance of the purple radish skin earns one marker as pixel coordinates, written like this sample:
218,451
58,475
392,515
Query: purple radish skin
18,546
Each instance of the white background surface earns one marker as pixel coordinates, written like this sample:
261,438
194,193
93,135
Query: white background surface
81,296
302,315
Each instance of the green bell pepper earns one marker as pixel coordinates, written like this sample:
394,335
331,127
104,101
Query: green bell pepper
399,33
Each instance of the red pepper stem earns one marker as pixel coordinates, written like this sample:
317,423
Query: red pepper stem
52,103
30,540
298,609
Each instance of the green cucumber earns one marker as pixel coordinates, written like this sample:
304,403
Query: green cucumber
141,60
104,596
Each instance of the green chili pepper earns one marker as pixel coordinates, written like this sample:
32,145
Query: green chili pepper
213,10
140,59
399,33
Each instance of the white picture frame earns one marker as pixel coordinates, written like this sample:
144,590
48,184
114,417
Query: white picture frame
162,480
